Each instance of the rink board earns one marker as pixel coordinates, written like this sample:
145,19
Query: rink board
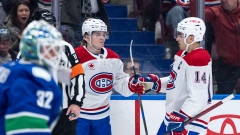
126,117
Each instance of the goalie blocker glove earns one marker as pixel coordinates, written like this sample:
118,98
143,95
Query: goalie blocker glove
151,82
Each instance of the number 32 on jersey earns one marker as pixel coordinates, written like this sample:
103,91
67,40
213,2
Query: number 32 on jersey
44,99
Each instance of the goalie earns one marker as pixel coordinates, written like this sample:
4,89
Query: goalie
30,99
188,88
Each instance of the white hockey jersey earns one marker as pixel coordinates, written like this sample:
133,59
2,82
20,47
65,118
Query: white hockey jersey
189,87
102,73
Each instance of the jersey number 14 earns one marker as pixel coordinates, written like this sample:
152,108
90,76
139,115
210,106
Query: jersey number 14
199,77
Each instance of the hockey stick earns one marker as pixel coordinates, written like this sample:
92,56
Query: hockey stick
207,110
139,96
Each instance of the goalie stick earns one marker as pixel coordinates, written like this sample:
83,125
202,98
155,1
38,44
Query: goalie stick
207,110
139,96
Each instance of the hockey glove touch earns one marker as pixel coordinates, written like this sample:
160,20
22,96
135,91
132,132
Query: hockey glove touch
151,82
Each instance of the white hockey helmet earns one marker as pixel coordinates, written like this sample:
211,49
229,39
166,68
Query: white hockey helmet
192,26
42,43
91,25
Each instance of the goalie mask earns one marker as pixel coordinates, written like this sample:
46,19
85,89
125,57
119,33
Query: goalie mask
41,43
191,26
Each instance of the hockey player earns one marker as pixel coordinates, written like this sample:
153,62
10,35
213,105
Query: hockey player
30,100
189,86
73,93
104,71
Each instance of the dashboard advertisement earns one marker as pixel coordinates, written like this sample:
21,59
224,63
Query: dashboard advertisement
126,117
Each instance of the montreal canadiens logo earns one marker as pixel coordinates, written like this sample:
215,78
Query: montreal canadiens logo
184,3
227,124
172,78
101,83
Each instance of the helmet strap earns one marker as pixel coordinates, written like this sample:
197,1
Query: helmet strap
90,43
185,41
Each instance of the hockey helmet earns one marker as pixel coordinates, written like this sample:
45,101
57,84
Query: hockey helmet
91,25
41,43
192,26
43,14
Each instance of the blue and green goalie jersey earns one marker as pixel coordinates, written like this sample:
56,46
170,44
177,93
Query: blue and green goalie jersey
30,100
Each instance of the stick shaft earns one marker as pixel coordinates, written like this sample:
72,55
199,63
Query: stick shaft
142,112
139,96
210,109
203,112
134,71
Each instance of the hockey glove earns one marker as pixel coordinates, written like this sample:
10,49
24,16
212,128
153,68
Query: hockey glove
176,124
185,132
151,82
134,85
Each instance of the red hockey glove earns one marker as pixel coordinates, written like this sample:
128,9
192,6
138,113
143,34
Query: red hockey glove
134,85
176,124
184,132
151,82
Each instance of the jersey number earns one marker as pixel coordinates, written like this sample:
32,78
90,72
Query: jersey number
199,77
44,98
